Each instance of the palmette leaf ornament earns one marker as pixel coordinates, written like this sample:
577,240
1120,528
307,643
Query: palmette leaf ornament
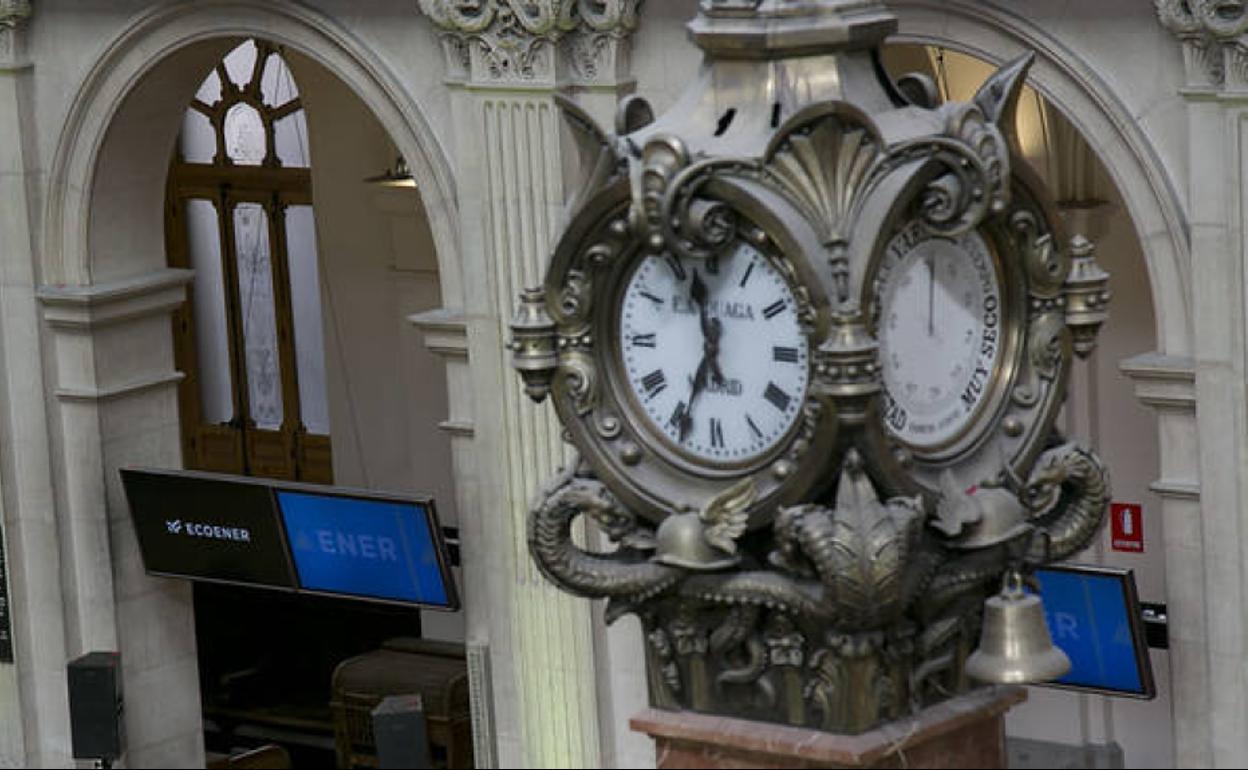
727,514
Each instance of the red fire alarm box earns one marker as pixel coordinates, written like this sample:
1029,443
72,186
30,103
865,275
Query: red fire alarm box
1127,527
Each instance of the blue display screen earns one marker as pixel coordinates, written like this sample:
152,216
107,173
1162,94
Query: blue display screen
364,547
1091,616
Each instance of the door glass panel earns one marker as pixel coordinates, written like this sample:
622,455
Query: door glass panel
198,140
290,134
305,300
277,86
244,135
255,291
212,341
240,63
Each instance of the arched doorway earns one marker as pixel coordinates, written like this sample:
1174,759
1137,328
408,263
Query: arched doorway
108,298
1115,190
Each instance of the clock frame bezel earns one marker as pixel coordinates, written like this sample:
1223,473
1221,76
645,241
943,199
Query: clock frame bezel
582,291
1030,238
756,238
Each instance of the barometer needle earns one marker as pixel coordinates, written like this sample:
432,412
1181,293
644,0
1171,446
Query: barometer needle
931,296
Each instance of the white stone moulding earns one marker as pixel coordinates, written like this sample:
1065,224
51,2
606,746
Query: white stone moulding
85,307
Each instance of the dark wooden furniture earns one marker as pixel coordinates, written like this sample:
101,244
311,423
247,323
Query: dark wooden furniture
436,671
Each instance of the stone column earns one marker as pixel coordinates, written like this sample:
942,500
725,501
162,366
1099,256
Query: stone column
115,405
34,728
1206,511
506,60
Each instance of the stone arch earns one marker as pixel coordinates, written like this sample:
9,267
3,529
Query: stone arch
1126,151
90,236
1163,380
106,295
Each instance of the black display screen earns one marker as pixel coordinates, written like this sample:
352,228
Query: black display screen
207,527
308,538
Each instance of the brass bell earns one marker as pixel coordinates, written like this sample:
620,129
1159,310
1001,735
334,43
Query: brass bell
1015,646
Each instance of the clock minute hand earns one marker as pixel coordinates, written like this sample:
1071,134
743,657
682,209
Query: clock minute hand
697,383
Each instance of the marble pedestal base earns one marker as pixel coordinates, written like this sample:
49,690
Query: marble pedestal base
965,732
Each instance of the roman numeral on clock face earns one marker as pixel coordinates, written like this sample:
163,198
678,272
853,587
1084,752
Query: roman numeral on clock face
654,383
677,269
717,433
753,428
784,355
678,415
746,278
646,341
774,309
778,398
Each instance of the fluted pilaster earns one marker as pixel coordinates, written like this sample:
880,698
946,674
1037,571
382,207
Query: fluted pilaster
507,59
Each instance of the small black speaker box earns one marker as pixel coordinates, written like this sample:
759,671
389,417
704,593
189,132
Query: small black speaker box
399,733
95,705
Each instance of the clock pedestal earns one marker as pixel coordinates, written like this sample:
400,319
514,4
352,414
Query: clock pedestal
967,731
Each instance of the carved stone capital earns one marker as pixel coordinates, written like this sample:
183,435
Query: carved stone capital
1214,36
12,14
597,52
533,41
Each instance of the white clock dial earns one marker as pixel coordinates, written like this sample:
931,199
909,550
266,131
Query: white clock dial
714,352
939,334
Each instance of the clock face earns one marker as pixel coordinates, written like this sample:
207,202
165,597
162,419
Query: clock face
939,334
714,353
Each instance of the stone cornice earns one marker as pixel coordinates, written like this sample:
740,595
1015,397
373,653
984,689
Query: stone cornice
1214,35
533,42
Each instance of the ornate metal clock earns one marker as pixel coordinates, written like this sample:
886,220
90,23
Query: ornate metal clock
810,336
686,362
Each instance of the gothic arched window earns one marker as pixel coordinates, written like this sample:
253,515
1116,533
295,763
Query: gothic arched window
240,213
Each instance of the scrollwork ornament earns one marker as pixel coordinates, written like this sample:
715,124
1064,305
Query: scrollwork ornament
12,12
661,160
616,16
1177,16
581,380
1048,350
693,226
1047,266
1222,18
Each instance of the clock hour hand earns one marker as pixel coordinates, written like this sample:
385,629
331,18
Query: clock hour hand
712,328
714,333
697,293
